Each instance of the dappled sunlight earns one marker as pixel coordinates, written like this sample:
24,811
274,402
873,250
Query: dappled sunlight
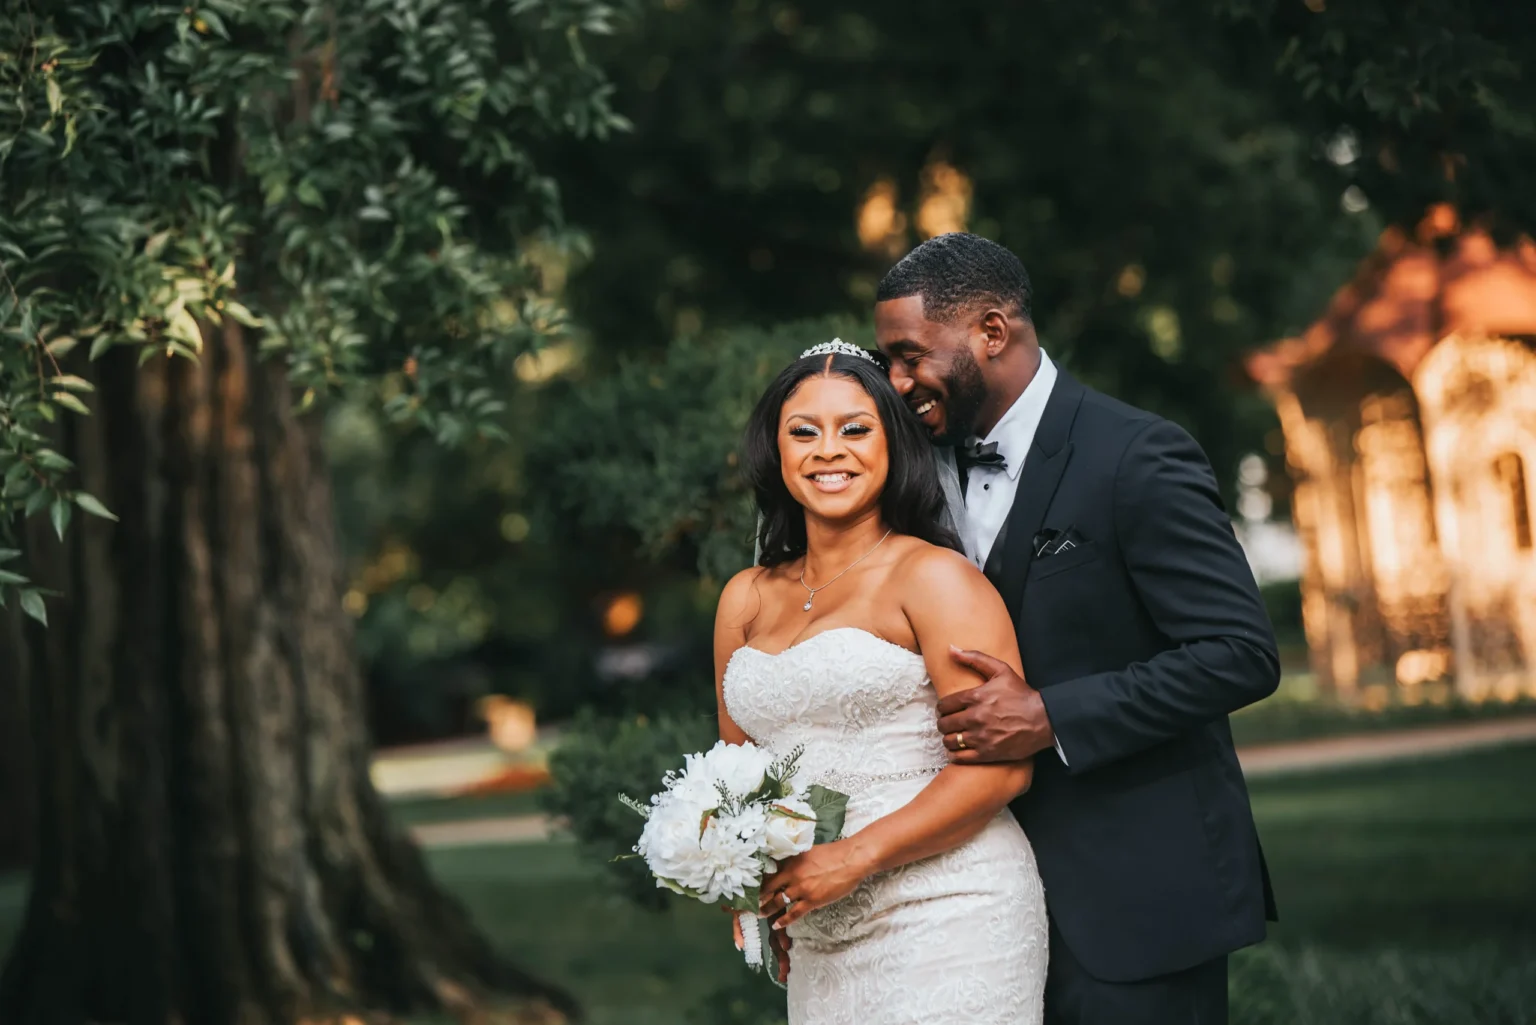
1406,414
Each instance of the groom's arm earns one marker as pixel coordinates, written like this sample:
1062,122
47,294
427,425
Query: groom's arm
1194,581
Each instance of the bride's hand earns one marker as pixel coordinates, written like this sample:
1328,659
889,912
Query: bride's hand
824,874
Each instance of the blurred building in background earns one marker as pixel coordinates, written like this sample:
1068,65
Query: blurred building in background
1409,415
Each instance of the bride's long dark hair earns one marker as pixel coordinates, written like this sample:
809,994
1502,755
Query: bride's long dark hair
912,502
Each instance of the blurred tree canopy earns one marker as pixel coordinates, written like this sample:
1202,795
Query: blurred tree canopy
1145,165
215,217
1420,102
1174,192
1140,162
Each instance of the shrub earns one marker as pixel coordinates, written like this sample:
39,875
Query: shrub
601,757
1275,985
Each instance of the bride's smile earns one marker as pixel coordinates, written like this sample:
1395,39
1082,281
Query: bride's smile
832,483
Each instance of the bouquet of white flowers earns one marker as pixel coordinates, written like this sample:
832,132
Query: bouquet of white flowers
726,820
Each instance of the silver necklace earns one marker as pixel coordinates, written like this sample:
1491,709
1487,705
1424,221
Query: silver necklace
807,606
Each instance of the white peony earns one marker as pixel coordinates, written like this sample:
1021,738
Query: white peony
702,840
786,834
723,861
739,767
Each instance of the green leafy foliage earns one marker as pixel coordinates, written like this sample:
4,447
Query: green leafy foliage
655,445
1419,102
599,758
352,183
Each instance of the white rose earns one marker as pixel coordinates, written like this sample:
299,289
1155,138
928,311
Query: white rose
787,833
739,767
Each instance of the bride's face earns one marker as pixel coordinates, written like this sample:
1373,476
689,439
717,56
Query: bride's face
832,448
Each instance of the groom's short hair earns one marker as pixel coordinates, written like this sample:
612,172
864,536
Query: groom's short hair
958,272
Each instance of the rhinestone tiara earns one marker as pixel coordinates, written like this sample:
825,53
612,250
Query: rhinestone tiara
838,347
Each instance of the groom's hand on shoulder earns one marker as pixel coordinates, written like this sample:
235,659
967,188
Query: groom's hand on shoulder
1002,720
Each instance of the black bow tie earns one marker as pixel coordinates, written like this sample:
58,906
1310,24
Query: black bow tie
975,452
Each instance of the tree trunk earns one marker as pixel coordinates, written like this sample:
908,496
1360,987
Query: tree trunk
18,808
211,848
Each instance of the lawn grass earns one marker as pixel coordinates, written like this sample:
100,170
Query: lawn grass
1407,897
1299,711
13,902
421,811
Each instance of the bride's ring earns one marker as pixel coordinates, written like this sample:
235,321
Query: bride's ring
787,901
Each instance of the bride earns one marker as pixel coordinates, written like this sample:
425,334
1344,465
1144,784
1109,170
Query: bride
929,909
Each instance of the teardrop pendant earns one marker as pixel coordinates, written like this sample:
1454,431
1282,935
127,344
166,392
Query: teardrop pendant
807,605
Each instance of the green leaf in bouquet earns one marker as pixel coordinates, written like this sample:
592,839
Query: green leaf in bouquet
678,888
767,790
831,808
750,899
786,812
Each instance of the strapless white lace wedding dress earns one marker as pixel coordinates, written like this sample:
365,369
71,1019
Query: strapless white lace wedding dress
956,939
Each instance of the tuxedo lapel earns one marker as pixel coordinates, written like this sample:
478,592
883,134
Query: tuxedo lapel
994,566
1043,467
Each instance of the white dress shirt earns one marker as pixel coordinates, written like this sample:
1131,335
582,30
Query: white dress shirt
990,490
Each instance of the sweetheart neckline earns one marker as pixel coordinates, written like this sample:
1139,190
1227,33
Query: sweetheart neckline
832,630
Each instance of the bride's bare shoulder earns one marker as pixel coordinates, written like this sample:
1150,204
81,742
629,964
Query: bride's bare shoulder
922,558
928,572
741,597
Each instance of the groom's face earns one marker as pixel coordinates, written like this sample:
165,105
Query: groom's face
934,367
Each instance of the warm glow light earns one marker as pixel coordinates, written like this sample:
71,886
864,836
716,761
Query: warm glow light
1439,222
1163,332
1417,667
1131,280
946,200
881,225
1477,394
546,364
515,527
623,614
511,724
1414,508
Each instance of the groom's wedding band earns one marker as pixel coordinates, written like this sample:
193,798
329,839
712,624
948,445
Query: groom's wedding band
960,741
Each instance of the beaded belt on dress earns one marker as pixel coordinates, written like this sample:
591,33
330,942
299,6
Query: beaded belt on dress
851,783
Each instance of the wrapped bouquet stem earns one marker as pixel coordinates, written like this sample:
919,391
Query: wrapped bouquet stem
724,821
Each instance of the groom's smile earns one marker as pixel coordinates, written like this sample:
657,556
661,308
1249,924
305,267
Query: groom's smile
931,412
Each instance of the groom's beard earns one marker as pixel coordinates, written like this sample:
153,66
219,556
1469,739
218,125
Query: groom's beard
965,394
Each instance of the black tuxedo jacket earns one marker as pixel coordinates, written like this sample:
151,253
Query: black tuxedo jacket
1141,640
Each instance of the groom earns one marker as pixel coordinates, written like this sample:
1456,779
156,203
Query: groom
1140,626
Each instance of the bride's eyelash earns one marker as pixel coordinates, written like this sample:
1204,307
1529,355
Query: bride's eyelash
807,431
